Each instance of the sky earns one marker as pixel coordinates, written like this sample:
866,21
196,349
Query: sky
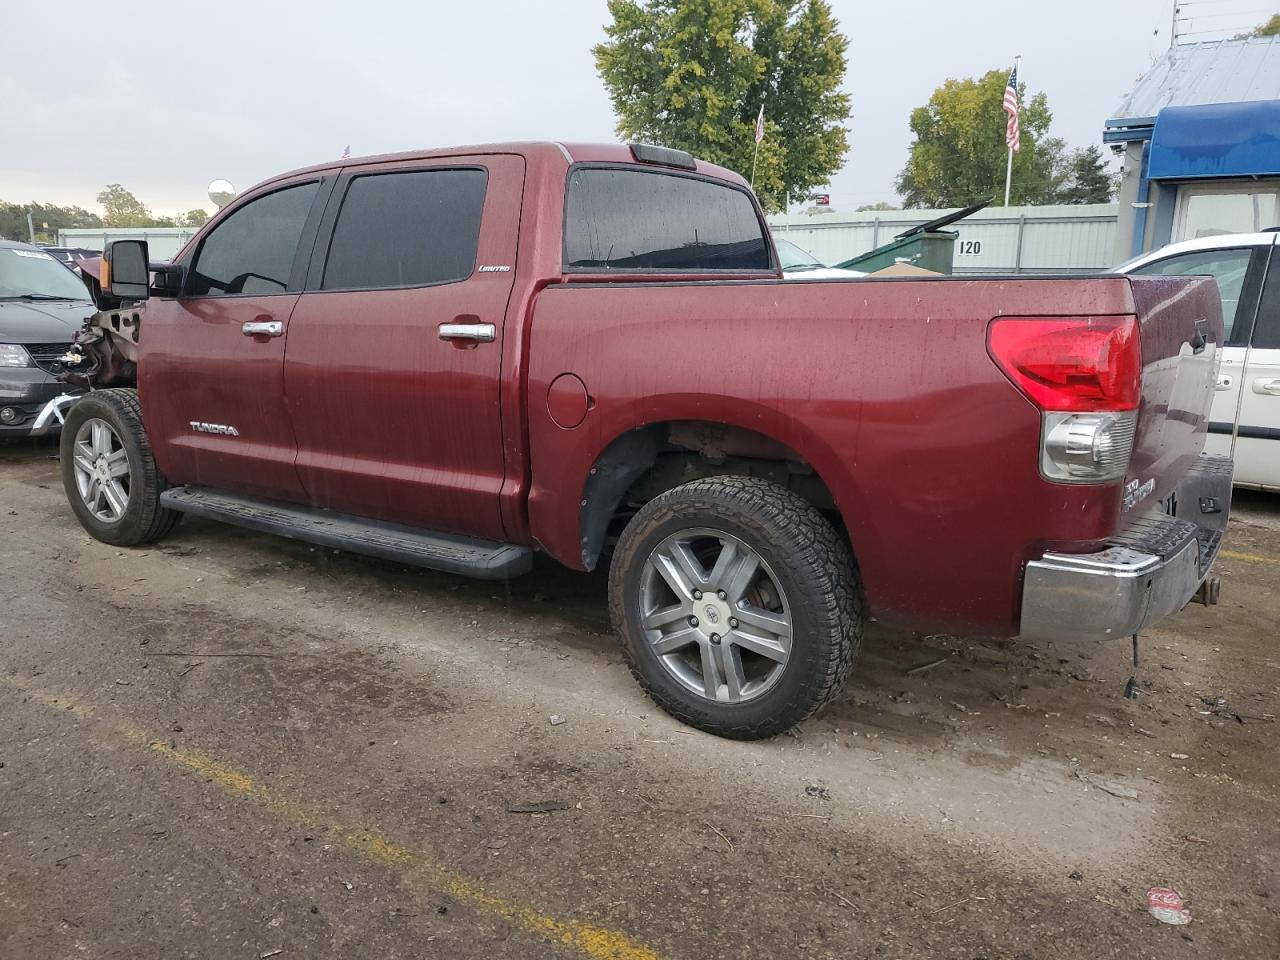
163,99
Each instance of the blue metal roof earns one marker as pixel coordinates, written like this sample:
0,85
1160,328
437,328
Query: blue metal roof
1216,71
1216,140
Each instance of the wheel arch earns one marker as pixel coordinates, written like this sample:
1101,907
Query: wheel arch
644,461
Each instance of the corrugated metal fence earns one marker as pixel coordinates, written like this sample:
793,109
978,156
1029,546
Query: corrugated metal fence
1052,239
162,242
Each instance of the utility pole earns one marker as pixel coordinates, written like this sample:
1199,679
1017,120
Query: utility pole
1173,26
31,230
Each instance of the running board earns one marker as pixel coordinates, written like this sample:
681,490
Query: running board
482,559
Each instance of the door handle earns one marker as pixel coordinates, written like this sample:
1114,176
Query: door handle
478,332
263,328
1267,386
1224,382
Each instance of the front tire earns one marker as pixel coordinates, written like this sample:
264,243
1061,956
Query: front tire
738,605
109,475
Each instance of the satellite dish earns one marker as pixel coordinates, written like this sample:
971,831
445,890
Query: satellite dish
221,192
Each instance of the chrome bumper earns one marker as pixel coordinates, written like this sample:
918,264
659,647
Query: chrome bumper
1146,573
53,414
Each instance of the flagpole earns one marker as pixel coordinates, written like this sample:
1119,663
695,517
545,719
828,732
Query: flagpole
755,154
1008,170
1008,177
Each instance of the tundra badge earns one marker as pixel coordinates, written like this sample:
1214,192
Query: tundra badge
201,427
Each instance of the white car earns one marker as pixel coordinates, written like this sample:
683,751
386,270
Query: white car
798,264
1247,268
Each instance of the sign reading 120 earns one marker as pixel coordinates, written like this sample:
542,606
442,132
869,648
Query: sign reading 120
969,247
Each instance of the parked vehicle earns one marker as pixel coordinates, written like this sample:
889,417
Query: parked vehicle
42,305
1247,393
799,264
72,256
459,358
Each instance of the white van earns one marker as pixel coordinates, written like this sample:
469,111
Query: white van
1247,268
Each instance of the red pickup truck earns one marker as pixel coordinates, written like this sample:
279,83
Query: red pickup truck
459,358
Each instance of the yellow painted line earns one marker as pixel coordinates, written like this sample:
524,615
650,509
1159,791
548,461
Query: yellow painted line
1251,557
598,943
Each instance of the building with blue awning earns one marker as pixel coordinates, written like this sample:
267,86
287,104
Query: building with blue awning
1200,136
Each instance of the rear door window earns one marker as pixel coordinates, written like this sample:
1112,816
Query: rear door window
628,219
406,229
251,252
1229,267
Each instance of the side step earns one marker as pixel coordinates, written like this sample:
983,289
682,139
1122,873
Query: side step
482,559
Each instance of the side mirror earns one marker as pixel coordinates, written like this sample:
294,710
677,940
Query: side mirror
125,271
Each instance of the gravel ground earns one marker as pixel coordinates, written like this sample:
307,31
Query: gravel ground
234,746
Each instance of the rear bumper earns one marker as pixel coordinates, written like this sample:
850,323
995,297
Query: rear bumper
1146,573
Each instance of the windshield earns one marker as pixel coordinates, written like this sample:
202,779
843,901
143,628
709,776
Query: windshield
793,258
34,275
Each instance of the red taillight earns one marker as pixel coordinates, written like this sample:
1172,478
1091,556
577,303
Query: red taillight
1077,364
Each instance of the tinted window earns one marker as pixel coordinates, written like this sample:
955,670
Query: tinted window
637,220
407,229
1267,334
1228,267
252,251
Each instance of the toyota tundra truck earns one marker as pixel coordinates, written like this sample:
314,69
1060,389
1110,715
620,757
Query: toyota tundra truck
461,358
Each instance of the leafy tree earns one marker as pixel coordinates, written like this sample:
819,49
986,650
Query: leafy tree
47,218
193,218
878,205
959,153
123,208
1269,29
693,74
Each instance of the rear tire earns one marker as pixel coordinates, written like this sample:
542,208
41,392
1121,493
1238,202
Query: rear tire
738,605
109,475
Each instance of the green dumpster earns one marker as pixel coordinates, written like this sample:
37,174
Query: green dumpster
934,251
927,246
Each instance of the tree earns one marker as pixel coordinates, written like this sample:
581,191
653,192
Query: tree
1087,178
1269,29
878,205
47,218
959,153
123,208
693,74
193,218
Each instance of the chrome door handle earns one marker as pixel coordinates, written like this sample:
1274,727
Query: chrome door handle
263,328
1224,383
1267,386
479,332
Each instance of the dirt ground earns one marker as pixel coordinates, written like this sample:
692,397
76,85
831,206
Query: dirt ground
235,746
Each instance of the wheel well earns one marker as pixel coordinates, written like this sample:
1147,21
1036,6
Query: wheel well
647,462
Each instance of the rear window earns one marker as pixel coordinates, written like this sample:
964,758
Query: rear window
407,229
627,219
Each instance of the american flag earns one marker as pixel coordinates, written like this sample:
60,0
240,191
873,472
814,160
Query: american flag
346,152
760,125
1011,108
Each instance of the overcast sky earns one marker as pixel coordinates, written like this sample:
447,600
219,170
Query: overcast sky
164,98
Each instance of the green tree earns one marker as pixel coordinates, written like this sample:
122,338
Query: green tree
123,208
1269,29
194,218
1087,178
878,205
47,218
959,153
693,74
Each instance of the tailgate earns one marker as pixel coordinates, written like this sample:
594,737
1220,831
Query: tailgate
1181,324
